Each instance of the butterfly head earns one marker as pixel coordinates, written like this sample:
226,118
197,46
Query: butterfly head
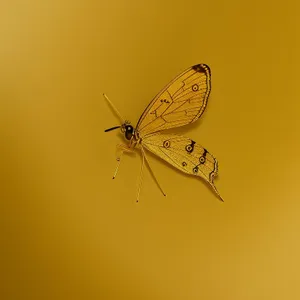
128,130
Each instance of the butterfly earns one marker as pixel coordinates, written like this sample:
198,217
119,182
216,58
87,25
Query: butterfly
181,102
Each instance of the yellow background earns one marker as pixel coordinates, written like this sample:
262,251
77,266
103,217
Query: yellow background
68,231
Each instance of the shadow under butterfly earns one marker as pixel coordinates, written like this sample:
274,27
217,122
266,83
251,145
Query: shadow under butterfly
181,102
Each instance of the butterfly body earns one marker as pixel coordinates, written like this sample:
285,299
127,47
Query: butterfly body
180,103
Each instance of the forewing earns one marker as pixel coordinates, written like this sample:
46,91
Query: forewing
181,102
184,154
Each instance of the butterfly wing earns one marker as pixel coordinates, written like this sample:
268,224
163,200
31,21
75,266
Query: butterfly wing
181,102
184,154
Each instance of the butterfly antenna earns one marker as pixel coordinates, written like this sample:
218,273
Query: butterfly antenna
114,109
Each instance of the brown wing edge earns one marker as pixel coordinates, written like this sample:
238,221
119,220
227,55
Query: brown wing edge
202,68
212,176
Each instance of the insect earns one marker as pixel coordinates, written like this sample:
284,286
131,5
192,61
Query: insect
181,102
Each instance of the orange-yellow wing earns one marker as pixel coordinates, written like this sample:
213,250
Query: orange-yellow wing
180,103
184,154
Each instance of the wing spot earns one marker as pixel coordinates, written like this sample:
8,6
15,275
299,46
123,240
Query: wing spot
164,101
190,147
195,170
184,164
195,87
166,144
212,176
202,160
154,113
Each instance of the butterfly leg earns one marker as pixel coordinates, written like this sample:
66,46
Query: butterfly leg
140,178
123,148
147,161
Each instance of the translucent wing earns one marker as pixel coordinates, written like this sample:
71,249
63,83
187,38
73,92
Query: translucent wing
184,154
181,102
